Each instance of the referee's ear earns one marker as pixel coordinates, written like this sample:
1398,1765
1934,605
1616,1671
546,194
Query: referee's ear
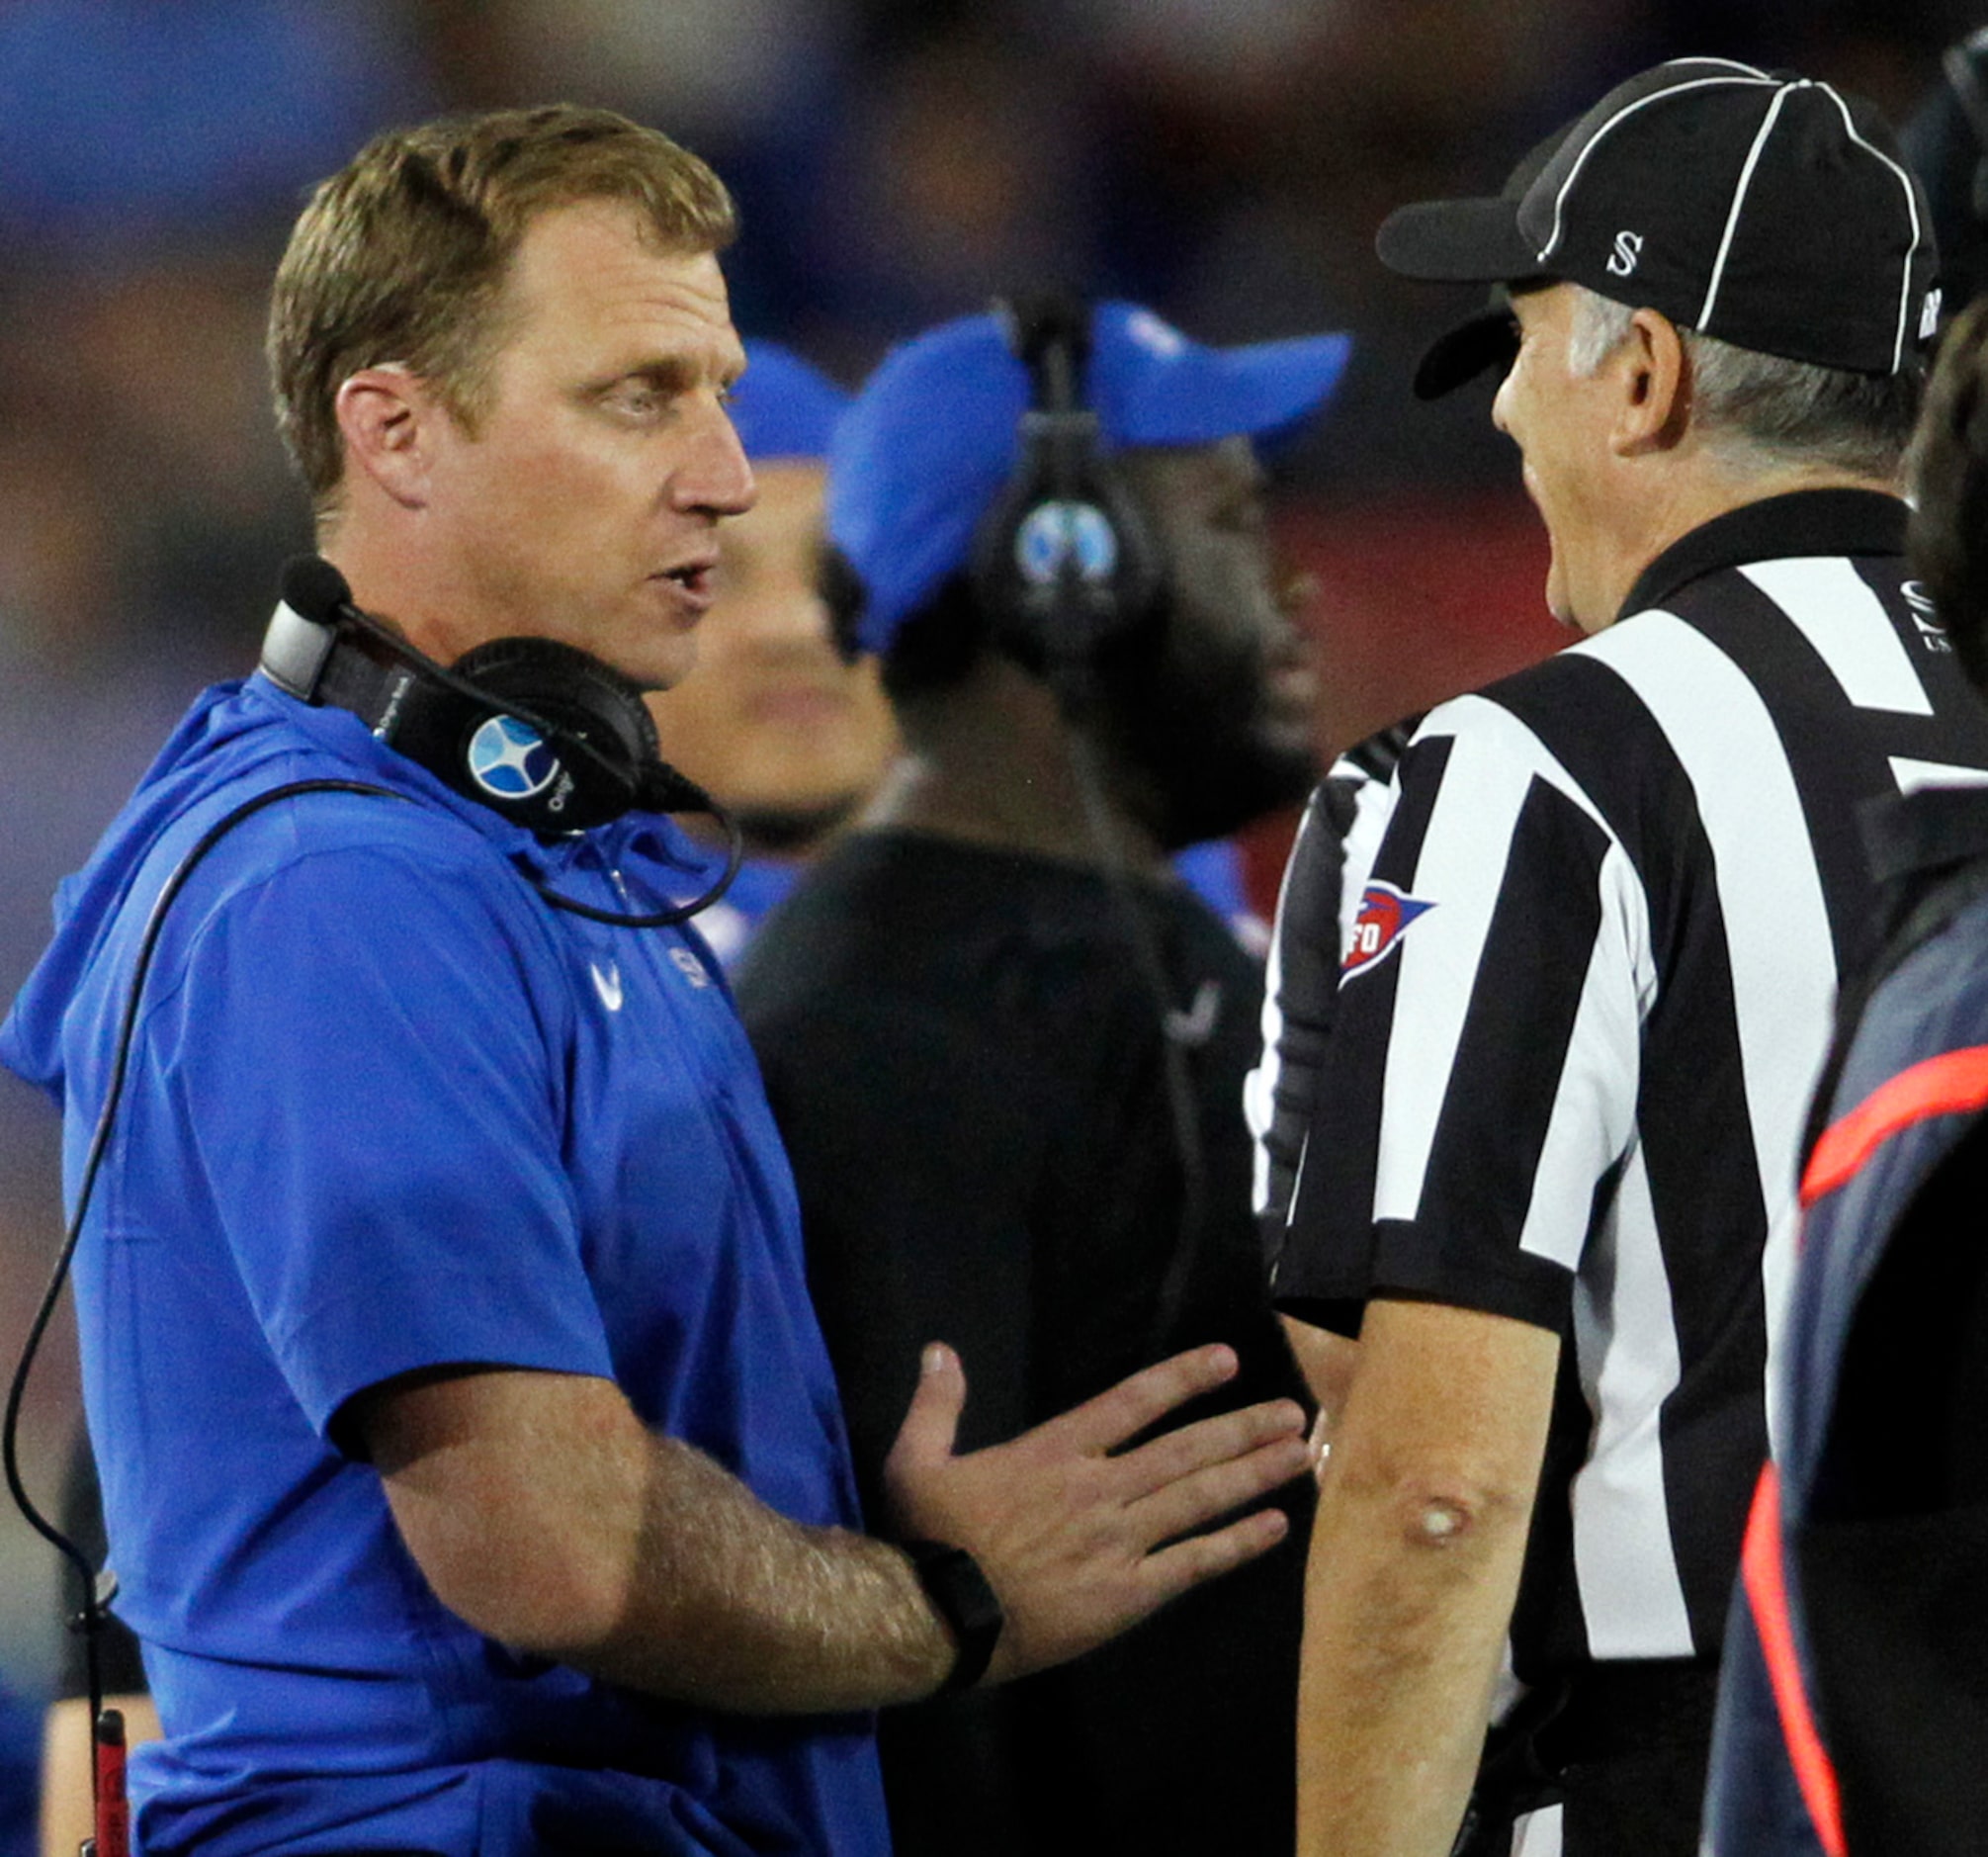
1649,367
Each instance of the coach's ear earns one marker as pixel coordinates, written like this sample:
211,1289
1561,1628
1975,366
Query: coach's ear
1649,367
389,420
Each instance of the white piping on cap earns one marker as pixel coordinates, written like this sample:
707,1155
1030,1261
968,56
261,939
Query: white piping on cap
1727,64
1749,76
1911,207
1767,128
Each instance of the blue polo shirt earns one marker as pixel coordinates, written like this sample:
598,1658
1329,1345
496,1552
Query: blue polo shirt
388,1109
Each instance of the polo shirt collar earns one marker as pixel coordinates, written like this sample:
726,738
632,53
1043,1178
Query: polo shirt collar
1795,526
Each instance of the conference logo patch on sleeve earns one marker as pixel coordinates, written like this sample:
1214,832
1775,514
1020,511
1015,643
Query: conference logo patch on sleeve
1384,917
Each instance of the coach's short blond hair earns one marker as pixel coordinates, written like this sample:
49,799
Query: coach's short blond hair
402,257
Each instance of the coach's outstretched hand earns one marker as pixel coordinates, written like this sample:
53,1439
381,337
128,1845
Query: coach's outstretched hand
1078,1537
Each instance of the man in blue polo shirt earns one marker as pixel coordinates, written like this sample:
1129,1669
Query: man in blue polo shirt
469,1455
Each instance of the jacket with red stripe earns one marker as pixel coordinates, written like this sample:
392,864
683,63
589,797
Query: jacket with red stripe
1854,1709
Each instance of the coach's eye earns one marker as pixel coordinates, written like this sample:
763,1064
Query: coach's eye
638,398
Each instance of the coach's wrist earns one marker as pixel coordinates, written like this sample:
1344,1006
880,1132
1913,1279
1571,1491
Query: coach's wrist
967,1605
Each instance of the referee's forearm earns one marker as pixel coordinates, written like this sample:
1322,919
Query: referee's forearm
1400,1649
1415,1563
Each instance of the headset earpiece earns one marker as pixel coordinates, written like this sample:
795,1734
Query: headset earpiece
1063,564
584,701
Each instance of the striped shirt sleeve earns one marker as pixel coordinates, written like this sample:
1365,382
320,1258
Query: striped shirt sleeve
1333,852
1480,1088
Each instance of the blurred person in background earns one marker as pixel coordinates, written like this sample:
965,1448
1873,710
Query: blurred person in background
19,1778
1549,1183
1853,1710
789,730
21,1781
1005,1042
1947,142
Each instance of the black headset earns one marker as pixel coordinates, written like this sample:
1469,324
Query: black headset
544,734
1063,564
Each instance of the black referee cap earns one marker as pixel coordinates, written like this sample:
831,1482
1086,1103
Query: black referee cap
1770,212
1489,339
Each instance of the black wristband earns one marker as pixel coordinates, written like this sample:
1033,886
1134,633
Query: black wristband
971,1611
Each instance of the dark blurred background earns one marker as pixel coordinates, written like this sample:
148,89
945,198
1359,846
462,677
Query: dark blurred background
896,162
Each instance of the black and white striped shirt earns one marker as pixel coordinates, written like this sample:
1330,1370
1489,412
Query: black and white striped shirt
1582,1012
1317,904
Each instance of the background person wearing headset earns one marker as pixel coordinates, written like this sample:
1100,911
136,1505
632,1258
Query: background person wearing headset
469,1455
1005,1042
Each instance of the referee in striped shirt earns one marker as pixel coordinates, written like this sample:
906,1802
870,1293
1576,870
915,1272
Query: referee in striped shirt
1549,1178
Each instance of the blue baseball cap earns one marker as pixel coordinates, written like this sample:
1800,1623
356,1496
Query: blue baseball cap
928,443
784,406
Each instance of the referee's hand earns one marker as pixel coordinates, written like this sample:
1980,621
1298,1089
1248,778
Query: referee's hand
1081,1540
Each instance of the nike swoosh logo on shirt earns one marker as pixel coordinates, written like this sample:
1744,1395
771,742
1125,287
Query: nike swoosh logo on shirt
607,985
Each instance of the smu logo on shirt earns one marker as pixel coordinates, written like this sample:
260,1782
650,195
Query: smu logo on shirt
1385,914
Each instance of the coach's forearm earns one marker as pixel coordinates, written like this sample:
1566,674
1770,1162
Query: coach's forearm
545,1514
732,1605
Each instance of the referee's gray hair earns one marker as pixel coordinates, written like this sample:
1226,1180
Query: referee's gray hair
1762,410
